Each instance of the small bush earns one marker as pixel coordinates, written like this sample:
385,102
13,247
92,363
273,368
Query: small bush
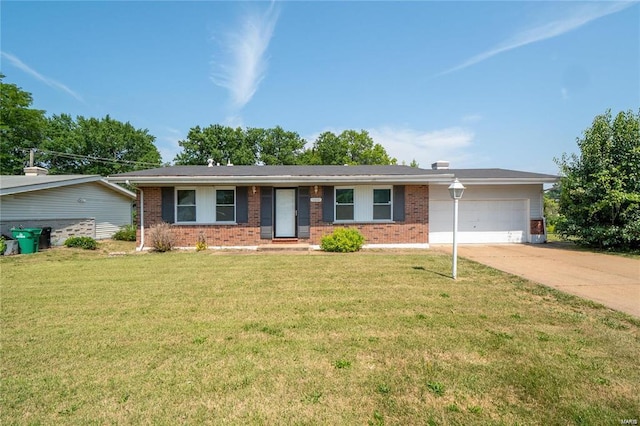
343,240
126,233
86,243
3,245
161,237
201,244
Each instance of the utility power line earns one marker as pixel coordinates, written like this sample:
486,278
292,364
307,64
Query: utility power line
92,158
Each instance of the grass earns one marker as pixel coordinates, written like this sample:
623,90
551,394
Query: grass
364,338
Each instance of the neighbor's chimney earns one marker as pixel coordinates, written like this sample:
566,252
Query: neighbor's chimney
440,165
34,170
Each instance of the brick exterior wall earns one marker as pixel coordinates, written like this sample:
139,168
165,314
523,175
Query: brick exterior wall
414,230
247,234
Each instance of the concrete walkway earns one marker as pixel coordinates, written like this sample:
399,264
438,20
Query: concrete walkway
611,280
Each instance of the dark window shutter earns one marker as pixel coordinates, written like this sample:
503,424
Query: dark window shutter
266,212
398,203
168,204
327,203
304,213
242,205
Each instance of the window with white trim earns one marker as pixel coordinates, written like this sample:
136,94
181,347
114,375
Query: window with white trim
382,204
225,205
185,205
344,204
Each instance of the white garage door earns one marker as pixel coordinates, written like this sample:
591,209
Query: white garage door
488,221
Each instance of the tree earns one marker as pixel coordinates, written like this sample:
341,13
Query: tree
221,143
278,146
21,127
350,147
96,146
600,190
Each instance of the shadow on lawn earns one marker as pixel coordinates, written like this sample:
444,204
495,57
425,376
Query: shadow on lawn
422,268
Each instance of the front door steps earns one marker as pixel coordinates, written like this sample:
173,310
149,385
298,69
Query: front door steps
285,244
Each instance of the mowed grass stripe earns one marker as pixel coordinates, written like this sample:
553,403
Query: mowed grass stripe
235,338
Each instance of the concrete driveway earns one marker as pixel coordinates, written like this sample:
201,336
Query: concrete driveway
611,280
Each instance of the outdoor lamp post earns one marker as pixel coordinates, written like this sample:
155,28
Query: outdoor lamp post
455,190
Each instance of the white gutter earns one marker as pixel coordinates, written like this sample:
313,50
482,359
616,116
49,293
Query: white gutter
141,220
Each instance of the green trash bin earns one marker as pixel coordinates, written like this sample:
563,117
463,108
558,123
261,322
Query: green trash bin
28,239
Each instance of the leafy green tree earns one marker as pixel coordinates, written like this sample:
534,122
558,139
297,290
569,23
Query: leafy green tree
221,143
350,147
96,146
21,127
600,190
279,147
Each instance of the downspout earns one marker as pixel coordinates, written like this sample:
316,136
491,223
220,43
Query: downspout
141,220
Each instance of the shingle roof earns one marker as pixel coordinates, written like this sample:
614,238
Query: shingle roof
16,184
322,174
276,171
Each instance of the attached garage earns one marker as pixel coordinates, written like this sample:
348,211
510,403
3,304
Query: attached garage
487,221
491,211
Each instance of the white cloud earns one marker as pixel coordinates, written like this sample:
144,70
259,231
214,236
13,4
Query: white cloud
580,16
16,62
425,147
242,63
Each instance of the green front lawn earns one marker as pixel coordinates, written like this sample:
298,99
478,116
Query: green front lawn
364,338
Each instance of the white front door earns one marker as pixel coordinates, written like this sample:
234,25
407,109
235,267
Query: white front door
285,213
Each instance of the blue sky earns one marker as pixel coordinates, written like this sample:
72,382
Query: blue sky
481,84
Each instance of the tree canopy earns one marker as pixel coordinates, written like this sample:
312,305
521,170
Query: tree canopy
239,146
277,146
600,190
21,127
96,146
349,147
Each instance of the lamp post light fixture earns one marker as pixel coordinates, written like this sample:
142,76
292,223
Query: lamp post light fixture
455,190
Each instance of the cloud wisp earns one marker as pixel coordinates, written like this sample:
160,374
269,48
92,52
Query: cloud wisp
16,62
579,17
407,144
242,64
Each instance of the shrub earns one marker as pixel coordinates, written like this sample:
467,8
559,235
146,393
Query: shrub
86,243
343,240
161,237
3,245
126,233
201,244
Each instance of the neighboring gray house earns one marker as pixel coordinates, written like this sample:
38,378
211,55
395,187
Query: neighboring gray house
72,205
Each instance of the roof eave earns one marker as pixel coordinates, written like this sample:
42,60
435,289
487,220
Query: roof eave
278,180
508,181
48,185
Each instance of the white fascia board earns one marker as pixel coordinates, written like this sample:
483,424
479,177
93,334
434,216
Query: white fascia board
48,185
118,188
279,180
513,181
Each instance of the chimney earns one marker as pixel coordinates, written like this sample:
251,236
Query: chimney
35,171
31,170
440,165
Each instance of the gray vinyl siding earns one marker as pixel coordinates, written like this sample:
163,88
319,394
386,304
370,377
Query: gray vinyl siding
109,209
